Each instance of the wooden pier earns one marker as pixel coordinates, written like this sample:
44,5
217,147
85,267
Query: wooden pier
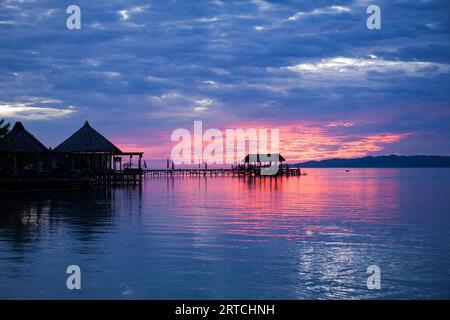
251,172
253,165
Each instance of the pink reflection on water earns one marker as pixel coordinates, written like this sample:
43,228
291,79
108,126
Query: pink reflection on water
326,203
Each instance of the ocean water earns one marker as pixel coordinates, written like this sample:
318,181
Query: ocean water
309,237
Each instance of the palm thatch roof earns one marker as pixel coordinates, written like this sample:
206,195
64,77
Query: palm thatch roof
19,140
87,139
263,157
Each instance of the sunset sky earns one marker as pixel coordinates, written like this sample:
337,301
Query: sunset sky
137,70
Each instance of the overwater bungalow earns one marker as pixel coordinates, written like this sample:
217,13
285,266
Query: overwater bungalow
84,159
87,152
262,159
253,164
21,154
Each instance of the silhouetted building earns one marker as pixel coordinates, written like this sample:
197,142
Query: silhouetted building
21,153
88,151
263,158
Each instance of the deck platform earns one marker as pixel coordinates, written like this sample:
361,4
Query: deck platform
255,172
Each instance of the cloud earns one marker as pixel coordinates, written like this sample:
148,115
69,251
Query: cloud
341,124
356,69
313,142
320,11
203,104
133,66
111,74
179,106
262,5
125,14
26,111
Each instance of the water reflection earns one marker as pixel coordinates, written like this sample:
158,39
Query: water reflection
26,219
294,207
210,237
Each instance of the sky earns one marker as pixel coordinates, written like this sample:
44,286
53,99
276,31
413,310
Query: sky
137,70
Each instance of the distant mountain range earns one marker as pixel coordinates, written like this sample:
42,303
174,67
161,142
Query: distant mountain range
392,161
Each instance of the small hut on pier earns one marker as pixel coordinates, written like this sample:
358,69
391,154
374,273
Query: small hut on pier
263,159
267,165
88,152
21,154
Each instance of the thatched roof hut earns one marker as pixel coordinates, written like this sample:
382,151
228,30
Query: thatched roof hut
254,158
87,149
87,139
19,140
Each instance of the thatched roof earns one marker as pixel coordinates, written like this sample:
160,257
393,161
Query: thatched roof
262,157
87,139
19,140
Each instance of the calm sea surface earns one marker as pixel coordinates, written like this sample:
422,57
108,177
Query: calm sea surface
309,237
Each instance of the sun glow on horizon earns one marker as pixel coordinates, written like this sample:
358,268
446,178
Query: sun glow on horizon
298,143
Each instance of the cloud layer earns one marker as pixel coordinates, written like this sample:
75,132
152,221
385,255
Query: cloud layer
139,69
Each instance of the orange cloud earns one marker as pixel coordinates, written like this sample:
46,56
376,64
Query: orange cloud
302,143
